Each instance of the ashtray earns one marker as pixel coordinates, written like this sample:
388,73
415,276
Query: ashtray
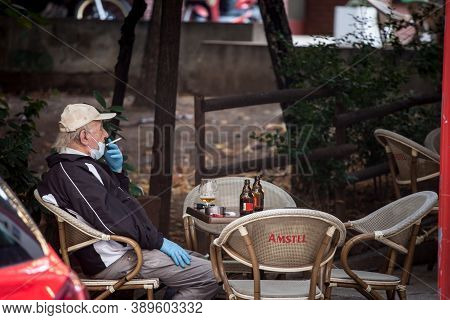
216,210
201,206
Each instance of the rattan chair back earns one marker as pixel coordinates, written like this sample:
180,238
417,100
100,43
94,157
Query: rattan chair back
284,240
73,233
392,224
402,150
433,140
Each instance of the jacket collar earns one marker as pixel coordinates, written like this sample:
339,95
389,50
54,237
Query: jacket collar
68,150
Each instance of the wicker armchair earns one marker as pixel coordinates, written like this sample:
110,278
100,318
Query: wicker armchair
282,240
75,235
432,140
228,192
395,225
409,162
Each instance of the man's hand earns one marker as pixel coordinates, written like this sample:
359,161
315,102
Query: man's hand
114,157
176,253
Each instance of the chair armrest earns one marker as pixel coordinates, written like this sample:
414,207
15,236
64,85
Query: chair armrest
345,265
137,249
214,264
130,275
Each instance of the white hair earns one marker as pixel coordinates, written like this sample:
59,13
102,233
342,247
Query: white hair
65,138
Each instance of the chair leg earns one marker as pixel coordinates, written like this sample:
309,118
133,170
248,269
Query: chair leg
187,234
401,294
150,294
327,295
390,294
390,262
103,295
193,234
365,293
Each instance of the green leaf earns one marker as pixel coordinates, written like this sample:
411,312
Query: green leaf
98,96
116,109
128,167
135,190
121,117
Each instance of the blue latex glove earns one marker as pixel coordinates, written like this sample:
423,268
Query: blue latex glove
176,253
114,157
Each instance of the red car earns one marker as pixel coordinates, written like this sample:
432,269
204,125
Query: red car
29,267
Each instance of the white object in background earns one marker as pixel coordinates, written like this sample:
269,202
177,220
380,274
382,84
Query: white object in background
386,9
361,21
100,9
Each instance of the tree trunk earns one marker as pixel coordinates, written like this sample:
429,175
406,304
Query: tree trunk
279,43
279,38
166,97
150,57
125,52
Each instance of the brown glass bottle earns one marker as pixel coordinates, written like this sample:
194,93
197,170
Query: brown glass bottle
246,199
258,195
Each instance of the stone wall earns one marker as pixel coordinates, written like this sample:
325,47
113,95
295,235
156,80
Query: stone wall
80,55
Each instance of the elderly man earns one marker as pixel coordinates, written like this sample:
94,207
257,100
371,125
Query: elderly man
97,194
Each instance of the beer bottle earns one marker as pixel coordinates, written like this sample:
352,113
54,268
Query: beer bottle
258,195
246,199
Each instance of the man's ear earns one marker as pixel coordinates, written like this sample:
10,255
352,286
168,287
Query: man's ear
84,138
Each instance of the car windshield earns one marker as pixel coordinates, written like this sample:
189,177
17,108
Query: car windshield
20,239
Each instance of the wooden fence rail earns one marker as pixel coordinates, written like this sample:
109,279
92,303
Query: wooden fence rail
340,150
349,118
279,96
278,161
202,105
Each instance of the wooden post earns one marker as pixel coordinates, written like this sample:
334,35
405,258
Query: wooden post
279,38
340,190
200,142
200,239
126,43
279,43
414,171
150,56
166,98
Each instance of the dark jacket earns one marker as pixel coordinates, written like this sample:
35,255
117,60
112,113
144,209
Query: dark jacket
90,191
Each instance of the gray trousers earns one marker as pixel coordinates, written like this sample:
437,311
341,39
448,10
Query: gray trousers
194,282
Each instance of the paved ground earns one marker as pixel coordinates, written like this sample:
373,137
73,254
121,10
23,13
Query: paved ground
423,286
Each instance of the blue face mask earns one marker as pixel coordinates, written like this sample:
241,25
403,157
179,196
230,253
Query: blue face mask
97,153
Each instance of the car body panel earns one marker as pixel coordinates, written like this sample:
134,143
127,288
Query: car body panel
29,267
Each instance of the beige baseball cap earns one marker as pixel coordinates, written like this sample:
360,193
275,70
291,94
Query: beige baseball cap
77,115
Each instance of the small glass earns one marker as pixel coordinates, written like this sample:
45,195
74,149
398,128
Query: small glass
207,190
